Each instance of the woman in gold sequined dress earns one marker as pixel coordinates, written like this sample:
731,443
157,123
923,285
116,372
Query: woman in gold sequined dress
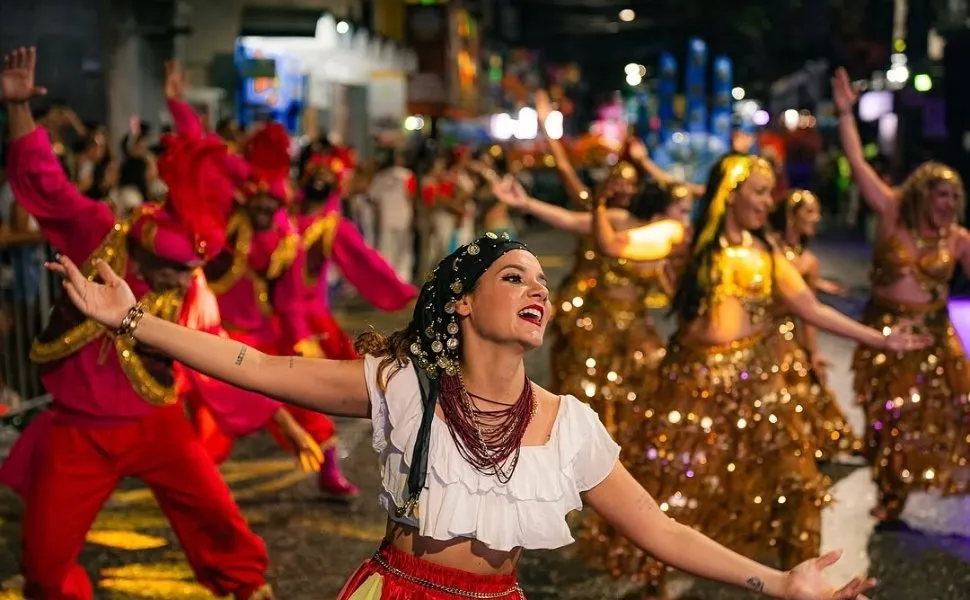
609,346
794,343
618,188
917,411
720,441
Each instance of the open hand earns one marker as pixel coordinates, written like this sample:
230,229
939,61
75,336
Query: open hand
17,79
807,582
636,149
174,80
843,93
307,450
508,191
902,338
107,303
820,367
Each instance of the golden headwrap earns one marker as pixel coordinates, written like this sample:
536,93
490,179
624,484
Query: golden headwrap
796,199
624,170
736,169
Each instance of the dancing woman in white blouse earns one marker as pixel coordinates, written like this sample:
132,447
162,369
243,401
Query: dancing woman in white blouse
477,462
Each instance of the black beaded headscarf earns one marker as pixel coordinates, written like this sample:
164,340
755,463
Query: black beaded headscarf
434,350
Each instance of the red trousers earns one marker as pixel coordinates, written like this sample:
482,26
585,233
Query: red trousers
79,470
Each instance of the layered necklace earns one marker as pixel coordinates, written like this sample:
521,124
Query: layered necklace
489,440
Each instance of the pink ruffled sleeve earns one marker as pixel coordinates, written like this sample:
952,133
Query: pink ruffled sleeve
73,223
365,269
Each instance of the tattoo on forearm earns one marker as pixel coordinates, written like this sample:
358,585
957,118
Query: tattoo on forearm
755,584
241,356
292,361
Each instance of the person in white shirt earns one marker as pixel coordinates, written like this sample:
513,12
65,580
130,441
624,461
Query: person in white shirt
477,462
393,189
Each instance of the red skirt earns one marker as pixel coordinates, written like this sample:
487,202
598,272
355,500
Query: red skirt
395,575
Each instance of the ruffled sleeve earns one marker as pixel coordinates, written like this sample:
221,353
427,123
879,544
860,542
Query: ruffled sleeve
598,453
396,410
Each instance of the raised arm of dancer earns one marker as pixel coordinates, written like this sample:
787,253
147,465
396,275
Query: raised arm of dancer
577,190
510,192
801,301
879,196
73,223
184,119
329,386
641,158
654,241
627,506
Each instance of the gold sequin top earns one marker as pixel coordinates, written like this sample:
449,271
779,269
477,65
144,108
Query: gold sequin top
622,278
931,265
743,274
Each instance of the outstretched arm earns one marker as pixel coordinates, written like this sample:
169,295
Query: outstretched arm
327,386
634,513
801,301
654,241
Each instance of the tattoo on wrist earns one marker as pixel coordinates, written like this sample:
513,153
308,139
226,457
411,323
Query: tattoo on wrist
292,361
755,584
241,356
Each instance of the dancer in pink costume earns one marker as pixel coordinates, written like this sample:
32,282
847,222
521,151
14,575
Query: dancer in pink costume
258,279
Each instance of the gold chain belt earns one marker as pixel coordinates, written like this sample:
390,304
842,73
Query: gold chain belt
515,589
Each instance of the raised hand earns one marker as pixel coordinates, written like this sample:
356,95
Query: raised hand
636,149
543,106
17,83
807,582
508,191
174,80
843,93
107,303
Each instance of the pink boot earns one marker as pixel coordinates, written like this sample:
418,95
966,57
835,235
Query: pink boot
332,481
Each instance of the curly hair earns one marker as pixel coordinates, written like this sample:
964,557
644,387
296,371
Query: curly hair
918,186
391,349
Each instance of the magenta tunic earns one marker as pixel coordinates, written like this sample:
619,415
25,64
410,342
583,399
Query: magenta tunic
89,387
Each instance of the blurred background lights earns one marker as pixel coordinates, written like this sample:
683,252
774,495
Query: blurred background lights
737,93
760,118
627,15
923,82
343,27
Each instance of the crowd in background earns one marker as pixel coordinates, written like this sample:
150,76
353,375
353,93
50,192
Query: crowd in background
414,205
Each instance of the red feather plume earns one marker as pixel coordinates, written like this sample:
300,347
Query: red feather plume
268,153
200,191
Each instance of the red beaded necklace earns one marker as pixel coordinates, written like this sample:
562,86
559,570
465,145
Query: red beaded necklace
489,440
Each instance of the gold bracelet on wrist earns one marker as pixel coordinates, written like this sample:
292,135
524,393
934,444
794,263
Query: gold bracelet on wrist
131,320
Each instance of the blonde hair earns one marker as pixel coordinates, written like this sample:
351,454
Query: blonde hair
917,187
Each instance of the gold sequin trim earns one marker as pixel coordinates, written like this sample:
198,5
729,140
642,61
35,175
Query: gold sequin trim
324,229
114,251
240,227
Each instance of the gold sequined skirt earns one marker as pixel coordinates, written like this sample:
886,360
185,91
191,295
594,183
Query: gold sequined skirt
611,354
829,428
916,404
569,301
720,447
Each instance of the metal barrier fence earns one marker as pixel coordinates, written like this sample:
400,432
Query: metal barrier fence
27,293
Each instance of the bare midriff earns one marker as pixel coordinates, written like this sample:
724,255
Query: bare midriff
911,270
460,553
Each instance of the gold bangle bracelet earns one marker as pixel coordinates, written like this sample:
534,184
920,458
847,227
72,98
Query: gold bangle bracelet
131,320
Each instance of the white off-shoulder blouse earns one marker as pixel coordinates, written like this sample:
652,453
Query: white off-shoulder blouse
458,501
